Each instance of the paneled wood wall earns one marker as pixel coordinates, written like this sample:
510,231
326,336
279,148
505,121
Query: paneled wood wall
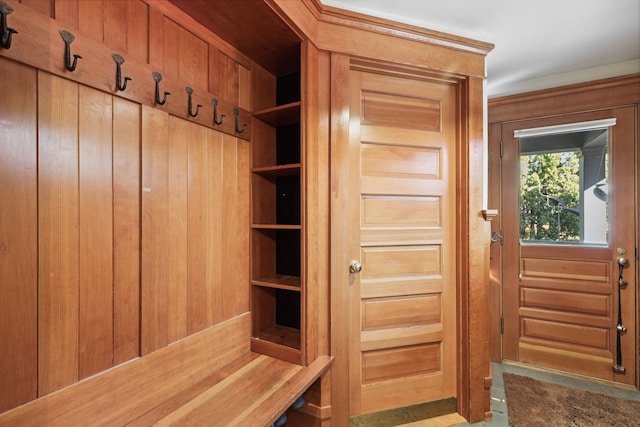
122,228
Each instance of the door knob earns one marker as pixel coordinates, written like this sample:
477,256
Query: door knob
355,266
622,261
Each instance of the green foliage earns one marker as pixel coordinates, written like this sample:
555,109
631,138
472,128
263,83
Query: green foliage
549,184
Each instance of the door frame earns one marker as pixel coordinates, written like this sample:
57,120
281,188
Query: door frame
472,232
602,94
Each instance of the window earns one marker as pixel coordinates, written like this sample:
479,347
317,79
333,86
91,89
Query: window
564,186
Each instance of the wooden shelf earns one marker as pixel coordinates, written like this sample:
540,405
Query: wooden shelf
281,115
279,281
280,335
279,170
276,226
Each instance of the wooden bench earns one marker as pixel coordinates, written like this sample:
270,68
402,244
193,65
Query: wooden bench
208,379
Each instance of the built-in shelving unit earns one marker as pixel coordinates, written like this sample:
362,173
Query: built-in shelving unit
277,229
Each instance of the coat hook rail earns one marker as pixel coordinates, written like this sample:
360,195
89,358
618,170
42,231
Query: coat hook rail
6,33
216,120
120,83
191,112
68,39
158,77
236,112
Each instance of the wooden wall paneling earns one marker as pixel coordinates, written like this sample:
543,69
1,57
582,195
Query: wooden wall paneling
67,13
156,38
126,230
95,329
116,25
244,88
18,234
263,89
193,59
229,78
171,47
40,46
235,282
242,218
185,59
177,228
138,30
205,246
91,19
45,7
58,242
164,232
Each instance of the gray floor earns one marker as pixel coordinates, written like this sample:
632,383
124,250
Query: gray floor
499,404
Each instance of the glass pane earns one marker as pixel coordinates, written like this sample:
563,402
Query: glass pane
563,188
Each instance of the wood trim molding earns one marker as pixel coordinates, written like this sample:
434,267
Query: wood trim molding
361,21
615,91
357,34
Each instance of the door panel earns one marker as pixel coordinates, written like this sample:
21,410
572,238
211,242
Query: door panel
403,137
561,299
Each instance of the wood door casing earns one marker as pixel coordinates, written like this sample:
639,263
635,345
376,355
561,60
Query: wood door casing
560,301
403,303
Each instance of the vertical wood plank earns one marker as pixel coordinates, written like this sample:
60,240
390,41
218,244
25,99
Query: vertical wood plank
138,30
243,217
244,88
67,14
217,204
214,75
156,37
126,230
115,24
45,7
95,332
164,229
171,47
18,234
197,302
177,221
232,290
229,77
200,63
91,18
58,243
204,198
185,58
155,171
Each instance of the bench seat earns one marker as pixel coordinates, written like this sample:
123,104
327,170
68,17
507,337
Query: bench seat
208,379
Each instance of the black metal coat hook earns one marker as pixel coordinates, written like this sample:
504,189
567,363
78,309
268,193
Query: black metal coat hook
120,84
236,112
158,77
5,32
68,39
215,112
191,113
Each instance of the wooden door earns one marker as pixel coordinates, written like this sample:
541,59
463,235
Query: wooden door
402,303
561,297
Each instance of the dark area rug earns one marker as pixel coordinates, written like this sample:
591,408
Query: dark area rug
538,403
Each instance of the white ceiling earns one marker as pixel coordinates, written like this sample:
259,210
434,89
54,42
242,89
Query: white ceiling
538,44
